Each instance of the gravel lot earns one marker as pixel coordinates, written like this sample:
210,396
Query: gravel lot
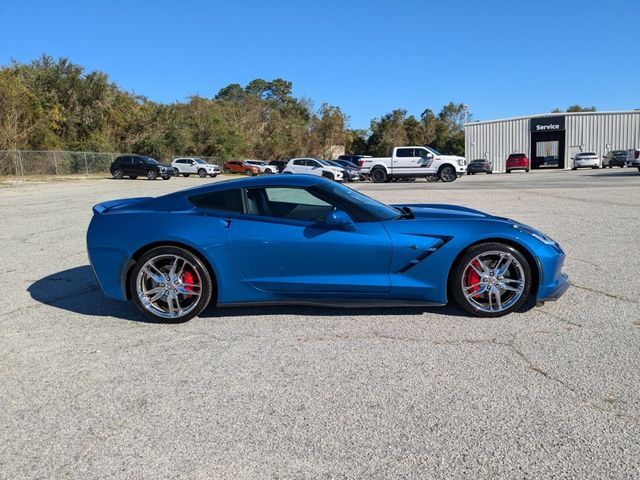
88,390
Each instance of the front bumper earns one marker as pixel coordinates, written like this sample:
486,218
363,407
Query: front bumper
167,172
554,292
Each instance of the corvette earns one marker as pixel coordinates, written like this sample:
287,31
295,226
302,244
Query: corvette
302,239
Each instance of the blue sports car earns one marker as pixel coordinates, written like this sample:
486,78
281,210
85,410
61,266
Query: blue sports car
302,239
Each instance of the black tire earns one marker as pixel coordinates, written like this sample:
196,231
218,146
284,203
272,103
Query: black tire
200,269
527,170
508,171
152,174
166,178
178,173
250,173
594,168
574,168
186,175
328,176
447,174
227,171
213,175
202,173
489,173
378,175
117,173
462,265
133,177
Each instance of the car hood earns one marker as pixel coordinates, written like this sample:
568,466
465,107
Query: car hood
434,210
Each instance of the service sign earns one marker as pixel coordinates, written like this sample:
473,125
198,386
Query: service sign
547,124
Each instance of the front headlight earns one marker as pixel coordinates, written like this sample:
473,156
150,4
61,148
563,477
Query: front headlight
461,162
534,233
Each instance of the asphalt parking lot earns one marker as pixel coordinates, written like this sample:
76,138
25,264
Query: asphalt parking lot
89,390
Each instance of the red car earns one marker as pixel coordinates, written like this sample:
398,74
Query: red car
238,166
517,161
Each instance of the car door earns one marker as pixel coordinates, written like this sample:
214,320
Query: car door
283,244
404,161
313,167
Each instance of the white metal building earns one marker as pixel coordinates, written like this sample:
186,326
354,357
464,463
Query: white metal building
552,139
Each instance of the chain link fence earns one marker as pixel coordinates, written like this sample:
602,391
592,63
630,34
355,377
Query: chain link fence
50,162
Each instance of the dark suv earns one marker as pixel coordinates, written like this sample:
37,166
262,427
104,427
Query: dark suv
134,166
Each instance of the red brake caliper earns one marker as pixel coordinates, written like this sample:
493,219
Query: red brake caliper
187,277
473,278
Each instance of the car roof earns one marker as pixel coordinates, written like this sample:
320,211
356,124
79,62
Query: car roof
291,180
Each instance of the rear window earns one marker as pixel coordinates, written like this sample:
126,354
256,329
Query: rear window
227,200
517,155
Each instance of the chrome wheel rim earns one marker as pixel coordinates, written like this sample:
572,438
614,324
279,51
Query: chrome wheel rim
169,286
493,281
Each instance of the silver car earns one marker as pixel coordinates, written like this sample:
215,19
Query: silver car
586,160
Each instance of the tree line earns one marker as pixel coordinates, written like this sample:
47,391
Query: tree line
52,104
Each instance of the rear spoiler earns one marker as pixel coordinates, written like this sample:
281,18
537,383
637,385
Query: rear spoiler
100,208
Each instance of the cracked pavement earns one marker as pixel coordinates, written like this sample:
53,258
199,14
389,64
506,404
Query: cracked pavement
89,390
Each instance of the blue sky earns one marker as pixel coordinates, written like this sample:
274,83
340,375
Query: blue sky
502,58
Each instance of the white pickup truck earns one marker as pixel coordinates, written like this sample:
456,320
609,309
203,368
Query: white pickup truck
413,162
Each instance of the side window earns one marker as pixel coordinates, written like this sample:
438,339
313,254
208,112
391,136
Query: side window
421,152
298,162
228,200
287,202
312,163
404,152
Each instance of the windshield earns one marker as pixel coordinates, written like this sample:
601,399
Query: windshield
255,162
150,161
373,207
199,160
324,162
432,150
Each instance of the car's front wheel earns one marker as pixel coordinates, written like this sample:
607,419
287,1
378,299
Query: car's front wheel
447,173
328,175
202,173
170,284
491,280
152,175
117,173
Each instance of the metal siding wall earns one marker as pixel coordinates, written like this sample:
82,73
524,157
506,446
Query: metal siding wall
496,140
621,131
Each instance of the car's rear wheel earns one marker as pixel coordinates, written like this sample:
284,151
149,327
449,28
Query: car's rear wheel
447,173
170,284
202,173
378,175
491,280
117,173
152,174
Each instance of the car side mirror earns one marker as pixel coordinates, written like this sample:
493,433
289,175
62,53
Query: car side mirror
429,155
338,219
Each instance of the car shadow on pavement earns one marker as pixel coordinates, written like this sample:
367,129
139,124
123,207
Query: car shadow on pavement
76,290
